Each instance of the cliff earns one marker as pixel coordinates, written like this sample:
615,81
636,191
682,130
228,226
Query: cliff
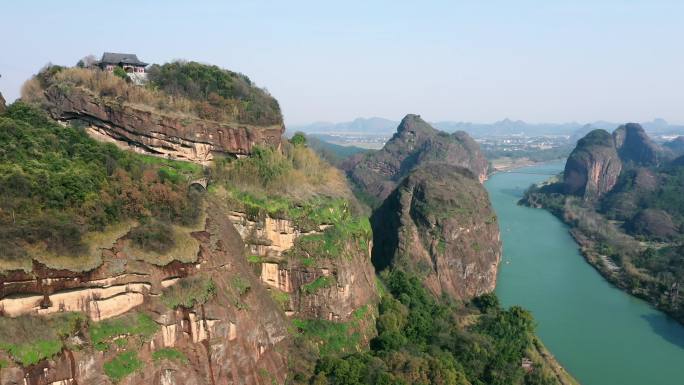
113,110
593,167
635,147
203,321
676,146
439,224
415,143
2,104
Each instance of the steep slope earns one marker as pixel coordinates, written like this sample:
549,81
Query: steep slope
439,224
2,104
593,167
676,146
634,146
150,120
414,144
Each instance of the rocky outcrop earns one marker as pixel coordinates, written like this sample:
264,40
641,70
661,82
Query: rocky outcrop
2,104
635,147
237,337
415,143
676,146
439,223
149,131
316,287
593,167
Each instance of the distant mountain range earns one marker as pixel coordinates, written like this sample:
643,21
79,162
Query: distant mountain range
386,127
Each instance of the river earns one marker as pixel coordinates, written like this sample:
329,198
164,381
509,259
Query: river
600,334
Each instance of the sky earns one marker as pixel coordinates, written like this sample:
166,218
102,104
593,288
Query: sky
479,61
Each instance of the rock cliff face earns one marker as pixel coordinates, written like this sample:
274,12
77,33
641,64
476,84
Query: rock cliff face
593,167
315,288
237,337
634,146
2,104
148,131
439,223
414,143
676,146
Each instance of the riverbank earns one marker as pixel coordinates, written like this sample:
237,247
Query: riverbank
595,234
600,334
508,164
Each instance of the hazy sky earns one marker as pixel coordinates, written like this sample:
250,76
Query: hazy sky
480,60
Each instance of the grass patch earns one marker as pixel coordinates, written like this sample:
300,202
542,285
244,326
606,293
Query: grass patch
344,239
240,285
189,292
329,337
282,298
104,332
319,283
170,354
185,248
254,259
122,365
29,340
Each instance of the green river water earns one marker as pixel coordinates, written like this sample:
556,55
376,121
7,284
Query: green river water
601,335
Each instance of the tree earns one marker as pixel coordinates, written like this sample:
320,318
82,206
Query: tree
298,139
87,61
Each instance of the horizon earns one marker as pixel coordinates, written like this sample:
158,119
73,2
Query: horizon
448,61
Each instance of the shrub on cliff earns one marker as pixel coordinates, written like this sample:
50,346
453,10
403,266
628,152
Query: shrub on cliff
58,184
217,90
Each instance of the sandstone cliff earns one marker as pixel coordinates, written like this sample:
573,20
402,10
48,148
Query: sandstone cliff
439,223
634,146
414,144
593,167
235,334
148,131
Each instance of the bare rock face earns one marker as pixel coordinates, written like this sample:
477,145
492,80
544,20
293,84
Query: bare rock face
414,143
439,223
635,147
315,288
2,104
593,167
148,131
239,336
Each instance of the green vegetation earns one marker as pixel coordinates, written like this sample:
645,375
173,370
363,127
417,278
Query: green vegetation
153,236
189,292
281,298
120,72
216,93
240,285
29,340
334,154
140,326
122,365
423,341
58,185
317,284
170,354
344,239
633,234
329,337
298,139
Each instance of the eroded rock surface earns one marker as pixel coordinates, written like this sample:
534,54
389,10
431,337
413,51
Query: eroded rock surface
439,223
415,143
149,131
593,167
